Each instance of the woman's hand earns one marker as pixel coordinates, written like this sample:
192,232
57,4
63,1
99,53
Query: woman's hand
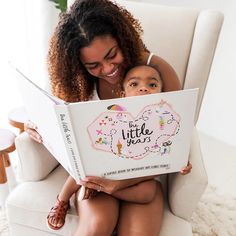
101,184
31,129
111,186
186,169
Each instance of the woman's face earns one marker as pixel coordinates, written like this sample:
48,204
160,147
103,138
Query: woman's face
103,59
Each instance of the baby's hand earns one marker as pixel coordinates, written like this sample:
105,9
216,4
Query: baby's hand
186,169
86,193
90,193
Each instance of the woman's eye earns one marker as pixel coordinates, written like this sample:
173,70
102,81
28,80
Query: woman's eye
92,67
112,56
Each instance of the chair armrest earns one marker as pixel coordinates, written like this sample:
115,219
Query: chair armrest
185,191
206,35
35,161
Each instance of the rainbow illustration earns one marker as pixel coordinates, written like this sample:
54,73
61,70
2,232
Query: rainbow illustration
115,107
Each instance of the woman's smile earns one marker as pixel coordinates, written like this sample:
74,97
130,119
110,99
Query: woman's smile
103,59
113,73
113,77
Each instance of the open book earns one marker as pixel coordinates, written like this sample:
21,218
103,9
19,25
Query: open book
116,138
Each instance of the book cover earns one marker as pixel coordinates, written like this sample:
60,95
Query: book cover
115,138
135,136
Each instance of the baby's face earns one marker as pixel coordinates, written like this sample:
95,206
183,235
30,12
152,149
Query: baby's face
142,80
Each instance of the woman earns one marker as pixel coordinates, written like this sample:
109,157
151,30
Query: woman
91,48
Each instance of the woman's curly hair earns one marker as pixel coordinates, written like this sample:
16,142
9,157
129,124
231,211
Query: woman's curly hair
76,29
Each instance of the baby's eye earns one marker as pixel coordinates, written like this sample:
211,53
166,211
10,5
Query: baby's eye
153,85
133,84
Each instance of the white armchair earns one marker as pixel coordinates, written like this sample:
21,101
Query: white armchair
187,39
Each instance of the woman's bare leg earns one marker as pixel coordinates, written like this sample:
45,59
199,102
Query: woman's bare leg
143,192
97,216
142,219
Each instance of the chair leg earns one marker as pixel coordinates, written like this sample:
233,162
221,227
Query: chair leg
4,189
3,176
6,160
9,171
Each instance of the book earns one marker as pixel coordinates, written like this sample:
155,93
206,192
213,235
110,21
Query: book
116,138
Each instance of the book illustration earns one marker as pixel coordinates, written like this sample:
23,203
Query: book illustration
118,132
116,108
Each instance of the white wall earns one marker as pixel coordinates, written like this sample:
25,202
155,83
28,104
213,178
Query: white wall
218,114
26,27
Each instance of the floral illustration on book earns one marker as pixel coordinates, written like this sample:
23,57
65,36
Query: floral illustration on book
151,131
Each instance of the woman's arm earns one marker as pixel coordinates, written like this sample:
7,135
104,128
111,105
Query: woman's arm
111,186
168,74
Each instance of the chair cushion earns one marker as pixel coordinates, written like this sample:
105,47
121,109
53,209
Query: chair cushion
33,200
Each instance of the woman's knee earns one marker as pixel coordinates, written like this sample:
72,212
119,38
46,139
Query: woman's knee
142,219
95,226
101,226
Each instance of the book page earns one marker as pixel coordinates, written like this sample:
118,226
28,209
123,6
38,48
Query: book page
40,105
